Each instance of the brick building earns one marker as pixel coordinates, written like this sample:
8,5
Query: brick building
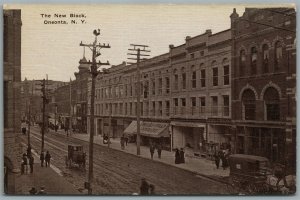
12,80
185,99
264,82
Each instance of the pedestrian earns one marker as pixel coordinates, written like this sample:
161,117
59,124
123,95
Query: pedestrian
159,148
42,158
182,159
24,164
152,149
144,188
24,130
32,190
42,191
122,141
29,151
151,189
31,162
67,130
47,159
223,159
217,160
177,156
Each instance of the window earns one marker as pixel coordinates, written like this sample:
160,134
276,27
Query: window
203,77
160,86
167,108
278,54
167,85
146,89
160,108
249,107
226,75
121,108
192,56
226,105
193,105
194,77
201,53
130,108
215,76
214,105
242,61
175,80
253,60
131,90
202,105
272,106
153,108
183,105
176,106
153,86
184,81
265,63
147,109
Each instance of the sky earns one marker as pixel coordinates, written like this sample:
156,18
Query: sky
53,49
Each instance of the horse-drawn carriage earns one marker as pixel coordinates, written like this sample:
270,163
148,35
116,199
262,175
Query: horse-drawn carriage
76,157
254,175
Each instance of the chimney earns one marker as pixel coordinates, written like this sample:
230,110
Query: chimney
171,46
208,31
187,38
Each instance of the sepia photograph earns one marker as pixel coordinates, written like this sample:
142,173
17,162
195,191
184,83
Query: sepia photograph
149,99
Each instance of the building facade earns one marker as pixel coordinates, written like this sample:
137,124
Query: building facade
264,82
12,95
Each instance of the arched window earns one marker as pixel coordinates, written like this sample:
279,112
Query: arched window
183,78
278,54
272,108
242,61
249,107
253,60
226,78
265,64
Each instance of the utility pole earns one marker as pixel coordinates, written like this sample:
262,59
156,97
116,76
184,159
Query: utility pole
29,114
138,48
70,122
95,48
45,100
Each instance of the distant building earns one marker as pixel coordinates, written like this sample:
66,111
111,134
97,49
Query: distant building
12,94
264,83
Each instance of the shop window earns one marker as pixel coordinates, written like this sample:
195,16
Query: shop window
249,107
242,62
278,54
265,63
272,106
253,60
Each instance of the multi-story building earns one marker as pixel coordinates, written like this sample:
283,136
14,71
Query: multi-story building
264,82
185,96
12,97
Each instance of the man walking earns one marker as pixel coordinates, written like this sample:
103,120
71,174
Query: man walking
31,161
42,158
47,159
152,150
159,148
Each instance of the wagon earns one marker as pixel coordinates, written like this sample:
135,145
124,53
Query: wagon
249,172
76,157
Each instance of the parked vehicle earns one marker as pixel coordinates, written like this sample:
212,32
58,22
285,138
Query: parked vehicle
76,156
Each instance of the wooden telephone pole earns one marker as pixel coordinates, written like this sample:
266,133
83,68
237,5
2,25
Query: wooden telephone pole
95,48
138,48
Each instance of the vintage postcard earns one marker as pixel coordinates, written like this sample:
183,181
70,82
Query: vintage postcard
149,99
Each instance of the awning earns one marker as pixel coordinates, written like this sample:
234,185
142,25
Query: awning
150,129
188,124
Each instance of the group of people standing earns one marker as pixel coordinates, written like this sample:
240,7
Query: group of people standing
222,156
45,158
158,147
179,156
123,141
27,158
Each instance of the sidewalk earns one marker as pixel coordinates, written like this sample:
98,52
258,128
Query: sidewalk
54,183
201,166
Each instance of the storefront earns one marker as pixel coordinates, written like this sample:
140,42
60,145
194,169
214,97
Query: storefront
189,135
151,132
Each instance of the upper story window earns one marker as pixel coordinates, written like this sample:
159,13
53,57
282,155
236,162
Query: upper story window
242,62
146,89
226,74
265,64
214,105
183,78
192,56
278,54
160,86
153,86
249,106
167,79
203,77
175,80
253,60
215,76
226,105
194,77
201,53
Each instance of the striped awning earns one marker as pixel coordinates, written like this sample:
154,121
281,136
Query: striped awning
149,129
